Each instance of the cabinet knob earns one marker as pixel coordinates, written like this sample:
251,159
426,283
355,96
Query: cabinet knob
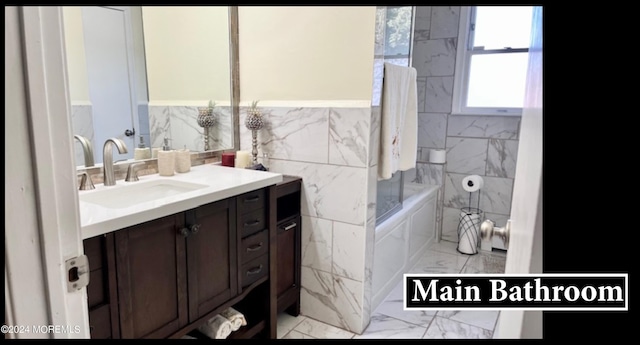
184,232
195,228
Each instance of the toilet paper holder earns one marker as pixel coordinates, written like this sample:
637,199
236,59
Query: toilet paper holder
470,218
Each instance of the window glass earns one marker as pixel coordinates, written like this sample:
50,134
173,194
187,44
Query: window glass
497,27
497,80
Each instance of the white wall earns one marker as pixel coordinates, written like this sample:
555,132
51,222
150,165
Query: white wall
187,52
306,52
76,62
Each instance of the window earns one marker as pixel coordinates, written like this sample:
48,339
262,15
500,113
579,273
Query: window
491,65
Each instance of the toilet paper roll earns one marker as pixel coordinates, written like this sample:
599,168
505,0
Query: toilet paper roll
472,183
437,156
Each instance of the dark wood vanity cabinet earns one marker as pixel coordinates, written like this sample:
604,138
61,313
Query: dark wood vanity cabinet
169,275
152,278
288,244
211,257
176,269
102,298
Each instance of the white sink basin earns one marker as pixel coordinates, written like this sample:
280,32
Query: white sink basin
139,192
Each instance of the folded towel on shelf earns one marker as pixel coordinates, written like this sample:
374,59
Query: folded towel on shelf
236,318
218,327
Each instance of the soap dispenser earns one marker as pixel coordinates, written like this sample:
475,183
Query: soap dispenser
142,151
166,160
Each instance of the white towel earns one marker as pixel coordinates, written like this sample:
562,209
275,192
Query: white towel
236,318
218,327
399,119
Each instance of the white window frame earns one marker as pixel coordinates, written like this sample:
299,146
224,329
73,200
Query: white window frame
461,77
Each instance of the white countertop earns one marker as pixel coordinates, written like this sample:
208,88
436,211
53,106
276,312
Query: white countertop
222,182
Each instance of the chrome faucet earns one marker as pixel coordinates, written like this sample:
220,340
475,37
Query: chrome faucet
107,159
87,149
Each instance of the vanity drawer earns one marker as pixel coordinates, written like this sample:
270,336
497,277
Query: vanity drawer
254,246
252,222
254,270
251,201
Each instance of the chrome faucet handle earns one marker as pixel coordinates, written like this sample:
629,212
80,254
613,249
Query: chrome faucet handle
85,181
132,171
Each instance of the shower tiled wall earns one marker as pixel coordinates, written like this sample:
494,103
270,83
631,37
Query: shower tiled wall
481,145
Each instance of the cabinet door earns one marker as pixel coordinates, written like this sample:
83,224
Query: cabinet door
211,256
151,271
288,287
102,297
286,255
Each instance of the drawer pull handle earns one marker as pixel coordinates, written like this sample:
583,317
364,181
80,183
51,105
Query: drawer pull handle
252,199
254,270
290,226
255,222
254,247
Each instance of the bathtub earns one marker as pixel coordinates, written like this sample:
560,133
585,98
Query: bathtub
402,238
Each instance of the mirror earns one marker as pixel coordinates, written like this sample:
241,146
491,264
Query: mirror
143,71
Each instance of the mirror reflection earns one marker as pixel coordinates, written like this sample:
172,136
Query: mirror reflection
142,73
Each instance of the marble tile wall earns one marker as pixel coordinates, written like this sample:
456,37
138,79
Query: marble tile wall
179,124
82,124
482,145
329,148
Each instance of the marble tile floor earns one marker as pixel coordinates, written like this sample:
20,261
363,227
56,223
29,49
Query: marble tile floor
390,321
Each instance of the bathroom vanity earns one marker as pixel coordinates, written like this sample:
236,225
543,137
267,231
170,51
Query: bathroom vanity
162,267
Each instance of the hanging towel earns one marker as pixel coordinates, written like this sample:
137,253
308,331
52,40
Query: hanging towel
218,327
236,318
399,121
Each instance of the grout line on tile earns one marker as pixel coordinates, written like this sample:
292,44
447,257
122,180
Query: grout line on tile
466,323
495,325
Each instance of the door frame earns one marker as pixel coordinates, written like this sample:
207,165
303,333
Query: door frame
525,248
49,183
